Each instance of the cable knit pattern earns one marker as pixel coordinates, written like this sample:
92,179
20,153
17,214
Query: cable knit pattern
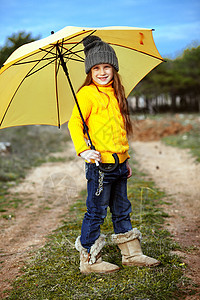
101,112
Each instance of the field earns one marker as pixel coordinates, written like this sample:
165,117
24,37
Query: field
52,271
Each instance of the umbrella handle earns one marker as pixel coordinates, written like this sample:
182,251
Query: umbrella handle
105,170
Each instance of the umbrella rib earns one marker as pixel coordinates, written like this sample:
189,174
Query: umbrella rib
41,68
57,58
75,45
76,51
16,92
49,51
73,53
59,64
18,62
52,61
31,61
70,58
137,51
83,32
81,59
54,55
56,84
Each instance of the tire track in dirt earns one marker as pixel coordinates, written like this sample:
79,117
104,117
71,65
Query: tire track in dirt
47,192
176,172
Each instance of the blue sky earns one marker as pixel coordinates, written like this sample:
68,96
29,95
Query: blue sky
176,22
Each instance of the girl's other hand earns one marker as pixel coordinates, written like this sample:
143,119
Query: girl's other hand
129,170
91,154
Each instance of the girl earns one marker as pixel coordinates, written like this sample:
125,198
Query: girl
105,111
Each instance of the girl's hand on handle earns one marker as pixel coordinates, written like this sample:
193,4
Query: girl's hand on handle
91,154
129,170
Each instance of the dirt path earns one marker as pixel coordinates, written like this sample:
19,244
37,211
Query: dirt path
50,188
175,171
48,191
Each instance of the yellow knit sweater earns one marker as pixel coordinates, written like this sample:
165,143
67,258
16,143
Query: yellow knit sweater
102,115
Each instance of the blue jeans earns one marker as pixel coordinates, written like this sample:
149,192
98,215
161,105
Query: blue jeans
113,193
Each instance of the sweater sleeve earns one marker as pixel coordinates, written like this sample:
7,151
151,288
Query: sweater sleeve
75,124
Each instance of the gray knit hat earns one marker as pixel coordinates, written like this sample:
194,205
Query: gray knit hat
98,52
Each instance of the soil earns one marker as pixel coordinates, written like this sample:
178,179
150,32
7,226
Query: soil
153,130
48,191
51,188
175,172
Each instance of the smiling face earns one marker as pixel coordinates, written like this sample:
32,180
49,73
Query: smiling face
102,73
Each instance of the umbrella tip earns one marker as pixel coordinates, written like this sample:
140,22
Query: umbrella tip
52,32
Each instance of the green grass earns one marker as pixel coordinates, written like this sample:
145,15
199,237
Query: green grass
189,140
53,272
31,146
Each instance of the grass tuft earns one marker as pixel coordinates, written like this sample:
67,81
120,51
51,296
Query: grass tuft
53,272
189,140
30,147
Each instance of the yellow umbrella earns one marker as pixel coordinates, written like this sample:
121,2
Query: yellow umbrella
33,86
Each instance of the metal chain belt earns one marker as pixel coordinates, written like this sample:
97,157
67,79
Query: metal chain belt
100,187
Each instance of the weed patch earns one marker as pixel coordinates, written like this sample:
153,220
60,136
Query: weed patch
189,140
30,147
53,272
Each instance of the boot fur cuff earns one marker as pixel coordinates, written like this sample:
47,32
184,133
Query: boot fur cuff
79,247
127,236
94,250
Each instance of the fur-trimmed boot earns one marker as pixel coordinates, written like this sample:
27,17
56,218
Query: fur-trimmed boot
129,244
92,262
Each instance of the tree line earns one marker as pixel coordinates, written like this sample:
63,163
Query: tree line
172,86
13,42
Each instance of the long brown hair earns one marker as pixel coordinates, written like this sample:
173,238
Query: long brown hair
119,94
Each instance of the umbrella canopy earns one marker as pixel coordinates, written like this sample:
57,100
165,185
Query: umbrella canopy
33,86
